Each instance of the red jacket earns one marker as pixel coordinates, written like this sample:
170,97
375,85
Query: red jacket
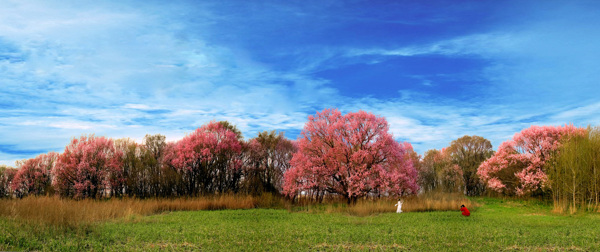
465,211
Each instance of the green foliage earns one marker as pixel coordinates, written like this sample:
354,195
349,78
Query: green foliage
574,173
496,225
233,128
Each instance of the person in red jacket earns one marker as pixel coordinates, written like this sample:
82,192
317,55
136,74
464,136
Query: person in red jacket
465,211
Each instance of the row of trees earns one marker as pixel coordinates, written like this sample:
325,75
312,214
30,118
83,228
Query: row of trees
351,155
454,168
563,162
519,167
558,161
212,159
574,173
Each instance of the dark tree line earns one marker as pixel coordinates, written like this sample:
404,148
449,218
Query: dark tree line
214,159
454,168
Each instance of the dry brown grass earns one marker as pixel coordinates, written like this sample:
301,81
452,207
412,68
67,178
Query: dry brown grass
68,213
362,207
564,207
437,201
71,213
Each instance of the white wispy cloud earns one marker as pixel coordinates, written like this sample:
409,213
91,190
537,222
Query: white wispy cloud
587,113
125,72
435,124
486,44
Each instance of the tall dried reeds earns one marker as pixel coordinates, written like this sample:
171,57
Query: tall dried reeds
59,212
431,201
71,213
436,201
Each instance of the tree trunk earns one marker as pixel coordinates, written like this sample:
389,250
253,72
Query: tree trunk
351,200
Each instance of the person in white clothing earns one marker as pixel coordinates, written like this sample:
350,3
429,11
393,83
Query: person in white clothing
399,204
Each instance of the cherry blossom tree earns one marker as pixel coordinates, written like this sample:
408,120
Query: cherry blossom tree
518,166
209,159
34,175
7,175
88,168
351,155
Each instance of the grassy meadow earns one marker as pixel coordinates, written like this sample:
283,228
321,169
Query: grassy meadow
495,224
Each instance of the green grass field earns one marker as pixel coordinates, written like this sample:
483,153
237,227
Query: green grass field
495,225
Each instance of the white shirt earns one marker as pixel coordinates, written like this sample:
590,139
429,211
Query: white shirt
399,210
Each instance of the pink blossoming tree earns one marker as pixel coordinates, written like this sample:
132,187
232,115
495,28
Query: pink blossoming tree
208,159
518,166
351,155
34,176
88,168
7,174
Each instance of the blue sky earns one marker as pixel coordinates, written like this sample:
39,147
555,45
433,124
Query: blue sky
437,70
